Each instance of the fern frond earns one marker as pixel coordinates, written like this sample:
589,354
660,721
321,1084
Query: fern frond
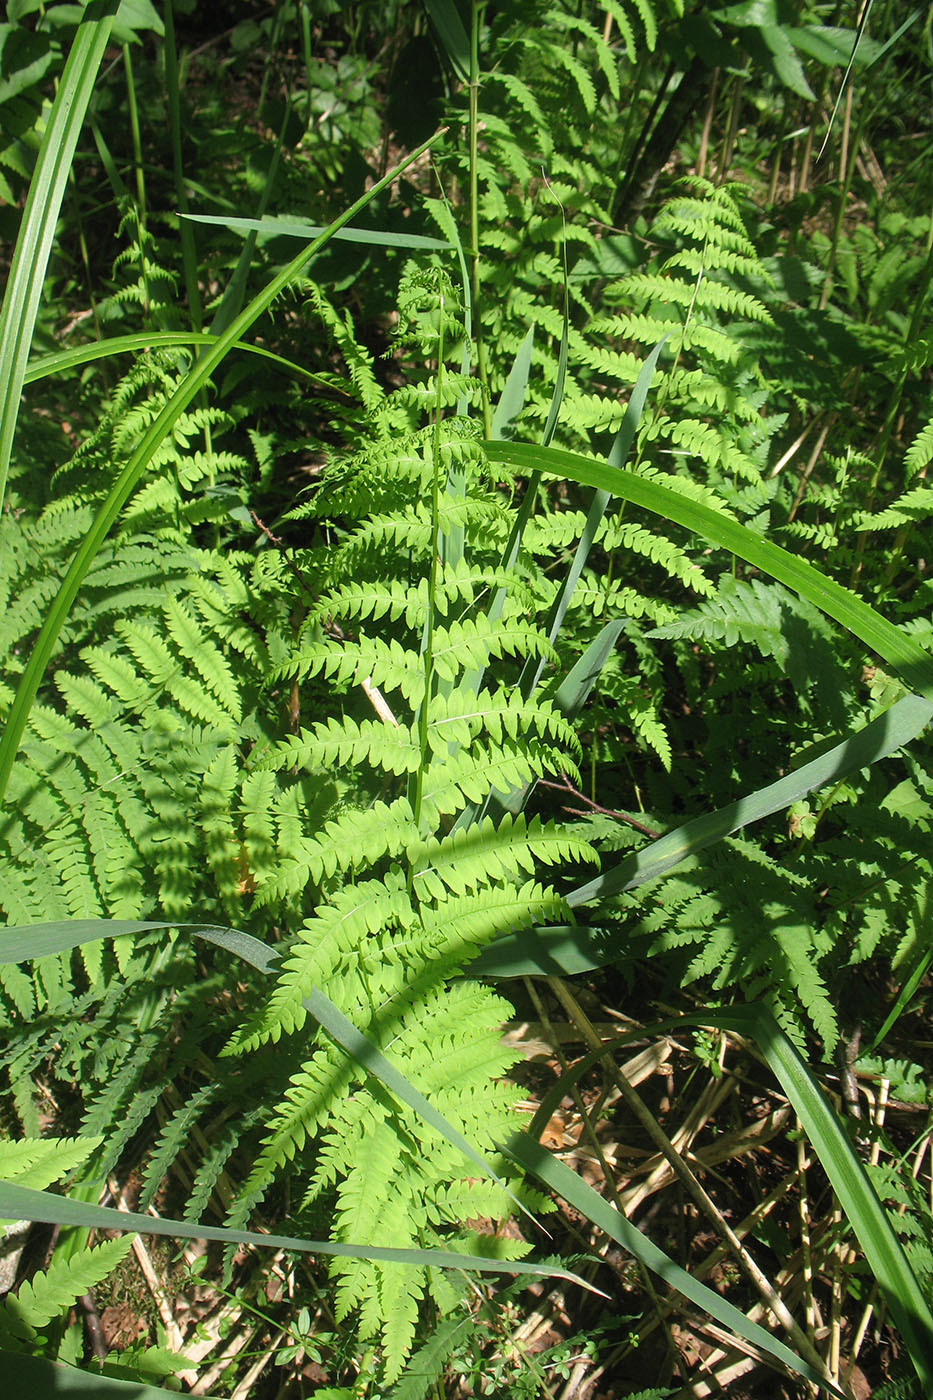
467,859
51,1293
39,1162
353,839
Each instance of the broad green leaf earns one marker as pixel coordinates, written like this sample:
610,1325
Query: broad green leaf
751,14
784,60
25,58
134,15
833,47
281,226
40,217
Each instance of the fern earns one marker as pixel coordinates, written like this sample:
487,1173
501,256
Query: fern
50,1293
401,904
39,1162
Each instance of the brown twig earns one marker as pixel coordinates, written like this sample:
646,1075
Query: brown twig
567,786
281,545
92,1322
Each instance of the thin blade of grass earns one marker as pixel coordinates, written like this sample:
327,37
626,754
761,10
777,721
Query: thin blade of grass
154,436
26,1203
618,456
189,256
231,303
29,941
573,949
474,679
281,226
904,997
867,1216
560,1179
125,344
879,739
445,17
557,397
40,216
512,399
572,692
899,650
863,21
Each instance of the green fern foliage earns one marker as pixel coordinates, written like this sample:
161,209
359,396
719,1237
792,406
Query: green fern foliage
50,1293
403,899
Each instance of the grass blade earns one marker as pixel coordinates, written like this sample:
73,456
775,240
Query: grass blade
618,455
281,226
899,651
571,949
572,692
904,997
512,398
882,737
40,217
26,1203
865,1213
862,24
29,941
445,17
155,434
61,360
35,1378
559,1178
561,950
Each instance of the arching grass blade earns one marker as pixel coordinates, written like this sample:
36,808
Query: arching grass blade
26,1203
61,360
570,949
27,942
188,389
566,1183
40,217
899,650
867,1216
